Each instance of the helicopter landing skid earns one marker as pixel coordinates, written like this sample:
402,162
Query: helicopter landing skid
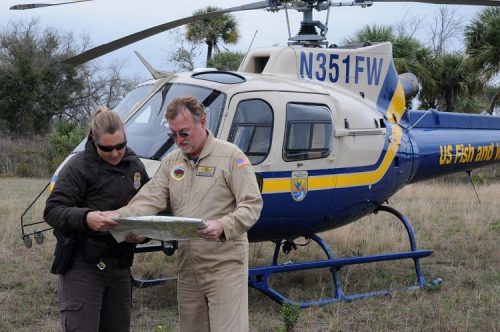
258,277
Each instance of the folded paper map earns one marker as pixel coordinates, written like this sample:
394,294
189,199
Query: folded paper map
157,227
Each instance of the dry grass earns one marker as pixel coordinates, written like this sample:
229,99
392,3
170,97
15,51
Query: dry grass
446,218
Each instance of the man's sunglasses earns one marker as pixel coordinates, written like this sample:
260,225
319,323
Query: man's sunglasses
182,133
107,148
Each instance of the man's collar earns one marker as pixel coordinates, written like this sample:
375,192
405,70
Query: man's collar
206,150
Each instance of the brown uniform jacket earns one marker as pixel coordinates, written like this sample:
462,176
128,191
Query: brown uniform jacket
220,185
87,183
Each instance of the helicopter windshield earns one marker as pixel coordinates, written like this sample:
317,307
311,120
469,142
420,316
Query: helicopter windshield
147,130
131,99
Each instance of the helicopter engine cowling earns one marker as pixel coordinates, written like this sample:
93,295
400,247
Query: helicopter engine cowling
411,85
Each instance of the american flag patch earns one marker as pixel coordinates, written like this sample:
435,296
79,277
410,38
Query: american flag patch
242,162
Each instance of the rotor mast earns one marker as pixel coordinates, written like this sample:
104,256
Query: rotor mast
308,35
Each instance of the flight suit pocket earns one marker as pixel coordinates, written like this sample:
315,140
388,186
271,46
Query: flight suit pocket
214,186
72,315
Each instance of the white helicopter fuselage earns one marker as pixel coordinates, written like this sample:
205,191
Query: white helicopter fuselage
325,128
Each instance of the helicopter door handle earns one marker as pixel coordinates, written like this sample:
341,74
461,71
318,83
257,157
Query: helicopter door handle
359,132
266,163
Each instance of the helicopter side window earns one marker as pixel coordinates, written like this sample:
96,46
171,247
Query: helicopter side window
308,132
251,130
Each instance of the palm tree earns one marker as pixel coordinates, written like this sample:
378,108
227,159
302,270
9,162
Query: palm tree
482,39
226,60
409,54
213,31
373,33
452,77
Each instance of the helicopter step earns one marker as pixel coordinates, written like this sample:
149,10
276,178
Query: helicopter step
258,277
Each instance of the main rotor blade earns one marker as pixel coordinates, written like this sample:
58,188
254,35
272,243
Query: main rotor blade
38,5
448,2
127,40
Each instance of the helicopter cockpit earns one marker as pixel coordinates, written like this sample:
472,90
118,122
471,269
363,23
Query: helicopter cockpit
147,130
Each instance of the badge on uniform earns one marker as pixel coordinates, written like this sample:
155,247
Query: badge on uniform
177,173
206,171
137,180
242,162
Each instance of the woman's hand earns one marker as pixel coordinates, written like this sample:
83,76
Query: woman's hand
100,221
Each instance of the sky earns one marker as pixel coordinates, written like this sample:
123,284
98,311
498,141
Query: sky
106,20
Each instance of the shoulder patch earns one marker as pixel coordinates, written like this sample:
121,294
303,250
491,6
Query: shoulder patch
242,162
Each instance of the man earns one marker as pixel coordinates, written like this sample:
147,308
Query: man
213,180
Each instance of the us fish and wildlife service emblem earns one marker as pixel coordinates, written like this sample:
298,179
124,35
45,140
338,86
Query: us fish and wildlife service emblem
299,185
178,171
137,180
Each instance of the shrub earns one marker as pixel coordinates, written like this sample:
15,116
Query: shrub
290,314
63,138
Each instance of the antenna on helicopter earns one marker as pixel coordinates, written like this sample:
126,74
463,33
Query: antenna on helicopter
472,182
250,46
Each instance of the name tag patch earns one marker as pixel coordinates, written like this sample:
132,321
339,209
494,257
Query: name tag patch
206,171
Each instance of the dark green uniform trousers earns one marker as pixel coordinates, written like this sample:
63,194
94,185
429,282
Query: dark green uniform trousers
94,300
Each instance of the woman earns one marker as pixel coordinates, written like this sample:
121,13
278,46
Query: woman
93,270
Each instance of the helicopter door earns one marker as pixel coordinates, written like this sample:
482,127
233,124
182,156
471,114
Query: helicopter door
289,140
307,154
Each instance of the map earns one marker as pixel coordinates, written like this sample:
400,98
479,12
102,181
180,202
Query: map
162,228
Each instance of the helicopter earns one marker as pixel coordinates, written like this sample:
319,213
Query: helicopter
325,128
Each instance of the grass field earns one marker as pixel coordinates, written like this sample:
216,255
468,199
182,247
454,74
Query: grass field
446,217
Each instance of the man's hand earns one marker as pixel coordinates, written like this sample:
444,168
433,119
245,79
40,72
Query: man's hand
111,214
99,221
132,238
212,232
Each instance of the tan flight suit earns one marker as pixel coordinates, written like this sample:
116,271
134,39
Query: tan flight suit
213,275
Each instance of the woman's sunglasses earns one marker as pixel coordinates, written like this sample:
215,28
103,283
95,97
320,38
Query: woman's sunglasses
107,148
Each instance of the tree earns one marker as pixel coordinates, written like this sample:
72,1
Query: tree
373,33
408,25
103,86
226,60
409,54
213,31
34,84
183,57
62,139
446,27
482,39
452,78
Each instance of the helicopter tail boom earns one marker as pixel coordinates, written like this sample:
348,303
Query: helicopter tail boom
445,143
